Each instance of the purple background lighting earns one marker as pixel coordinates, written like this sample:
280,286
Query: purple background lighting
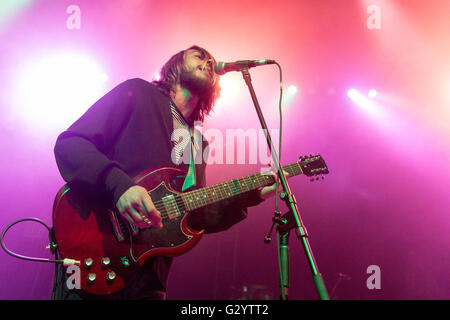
385,201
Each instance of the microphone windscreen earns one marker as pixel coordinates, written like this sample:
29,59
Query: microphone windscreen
219,68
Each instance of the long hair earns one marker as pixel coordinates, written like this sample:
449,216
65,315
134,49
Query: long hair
170,75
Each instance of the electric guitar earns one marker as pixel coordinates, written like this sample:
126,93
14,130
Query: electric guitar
110,250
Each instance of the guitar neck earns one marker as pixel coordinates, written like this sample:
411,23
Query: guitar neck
202,197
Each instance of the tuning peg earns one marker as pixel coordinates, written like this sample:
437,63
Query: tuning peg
317,178
312,179
323,177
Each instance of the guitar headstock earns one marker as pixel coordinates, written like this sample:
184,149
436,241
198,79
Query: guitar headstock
313,166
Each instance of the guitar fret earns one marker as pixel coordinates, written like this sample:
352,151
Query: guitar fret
198,198
299,167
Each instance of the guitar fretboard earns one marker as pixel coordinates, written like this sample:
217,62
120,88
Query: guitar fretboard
202,197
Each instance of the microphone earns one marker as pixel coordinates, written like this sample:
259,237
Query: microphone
223,67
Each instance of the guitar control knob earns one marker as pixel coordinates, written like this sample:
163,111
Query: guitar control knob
125,262
110,276
91,277
106,261
88,262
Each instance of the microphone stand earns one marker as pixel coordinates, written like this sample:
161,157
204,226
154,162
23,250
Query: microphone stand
283,226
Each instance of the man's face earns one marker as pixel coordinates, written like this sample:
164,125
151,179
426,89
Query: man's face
199,73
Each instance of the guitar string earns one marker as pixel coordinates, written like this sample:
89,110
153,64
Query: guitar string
159,205
180,199
131,243
194,196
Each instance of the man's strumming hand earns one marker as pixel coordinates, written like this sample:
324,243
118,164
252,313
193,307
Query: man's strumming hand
137,207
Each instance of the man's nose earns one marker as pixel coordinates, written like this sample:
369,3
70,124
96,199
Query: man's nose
207,64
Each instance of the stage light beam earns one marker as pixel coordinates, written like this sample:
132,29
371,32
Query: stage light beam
366,104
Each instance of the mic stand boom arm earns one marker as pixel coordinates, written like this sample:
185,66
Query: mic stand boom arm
291,203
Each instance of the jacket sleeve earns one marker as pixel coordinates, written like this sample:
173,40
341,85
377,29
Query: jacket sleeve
222,215
81,150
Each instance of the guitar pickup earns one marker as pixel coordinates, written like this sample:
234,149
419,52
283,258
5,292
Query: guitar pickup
171,206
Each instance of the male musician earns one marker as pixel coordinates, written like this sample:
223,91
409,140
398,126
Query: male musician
130,130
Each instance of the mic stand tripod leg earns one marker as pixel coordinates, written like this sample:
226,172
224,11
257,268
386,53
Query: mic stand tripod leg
317,276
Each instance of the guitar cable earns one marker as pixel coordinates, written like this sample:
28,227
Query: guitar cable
280,110
52,246
58,276
267,239
277,212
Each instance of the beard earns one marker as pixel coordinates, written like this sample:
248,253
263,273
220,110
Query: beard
201,86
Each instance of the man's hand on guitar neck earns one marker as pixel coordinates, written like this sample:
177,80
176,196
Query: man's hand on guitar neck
269,191
137,207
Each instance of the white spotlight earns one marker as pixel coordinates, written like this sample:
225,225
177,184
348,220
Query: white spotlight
372,93
54,91
292,89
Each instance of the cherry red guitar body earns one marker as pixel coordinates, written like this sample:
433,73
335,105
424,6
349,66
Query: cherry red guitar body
109,249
